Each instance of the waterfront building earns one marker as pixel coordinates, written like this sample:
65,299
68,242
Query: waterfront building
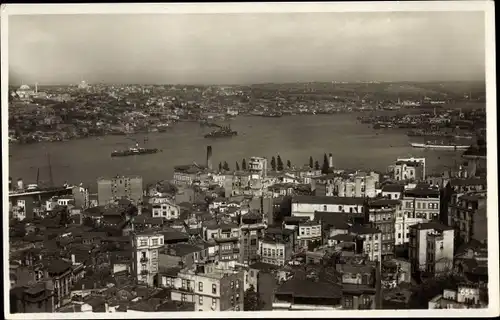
110,190
145,256
431,248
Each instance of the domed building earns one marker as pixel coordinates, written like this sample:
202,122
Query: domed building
24,91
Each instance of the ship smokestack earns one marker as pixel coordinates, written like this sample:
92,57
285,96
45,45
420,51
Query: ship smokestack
330,160
20,184
209,157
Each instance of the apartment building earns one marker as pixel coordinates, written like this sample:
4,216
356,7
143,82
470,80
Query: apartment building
431,248
251,232
420,204
381,214
145,255
275,250
456,187
372,241
468,215
361,284
211,289
109,190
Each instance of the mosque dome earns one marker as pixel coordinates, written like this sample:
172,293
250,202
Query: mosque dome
24,87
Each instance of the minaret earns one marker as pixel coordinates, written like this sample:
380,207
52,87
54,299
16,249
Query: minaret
36,87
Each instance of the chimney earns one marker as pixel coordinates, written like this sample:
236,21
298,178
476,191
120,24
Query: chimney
73,259
20,184
209,157
330,160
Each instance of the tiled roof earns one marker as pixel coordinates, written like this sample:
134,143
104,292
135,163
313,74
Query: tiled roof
329,200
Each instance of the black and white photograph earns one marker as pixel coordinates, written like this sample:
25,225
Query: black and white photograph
283,159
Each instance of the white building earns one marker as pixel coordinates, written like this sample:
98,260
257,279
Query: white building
210,288
274,251
306,206
419,205
145,256
465,297
165,209
410,169
431,248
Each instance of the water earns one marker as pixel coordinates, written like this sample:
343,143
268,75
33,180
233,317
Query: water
296,138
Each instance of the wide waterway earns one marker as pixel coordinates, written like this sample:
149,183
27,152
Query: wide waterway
294,138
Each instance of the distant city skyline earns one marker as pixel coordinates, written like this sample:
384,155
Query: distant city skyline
232,49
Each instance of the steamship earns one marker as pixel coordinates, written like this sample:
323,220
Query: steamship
223,132
133,151
439,145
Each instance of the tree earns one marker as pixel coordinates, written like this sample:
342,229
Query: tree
311,162
326,165
237,166
316,165
280,164
225,166
273,163
251,300
288,164
220,166
243,165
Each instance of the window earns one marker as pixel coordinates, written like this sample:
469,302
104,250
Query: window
144,243
281,252
368,247
399,235
200,300
232,300
200,286
214,288
251,273
253,242
348,302
161,240
232,284
340,208
274,253
325,208
375,247
184,297
375,237
237,284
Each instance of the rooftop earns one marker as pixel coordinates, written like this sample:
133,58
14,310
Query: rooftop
431,226
310,289
329,200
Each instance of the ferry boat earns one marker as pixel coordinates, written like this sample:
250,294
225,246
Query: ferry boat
133,151
439,145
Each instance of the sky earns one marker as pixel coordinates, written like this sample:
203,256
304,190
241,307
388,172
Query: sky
247,48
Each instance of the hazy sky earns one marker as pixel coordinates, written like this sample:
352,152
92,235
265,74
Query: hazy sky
246,48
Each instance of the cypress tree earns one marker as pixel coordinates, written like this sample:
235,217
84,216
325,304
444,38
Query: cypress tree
225,166
237,166
280,164
326,165
316,165
311,162
220,167
273,163
288,164
243,164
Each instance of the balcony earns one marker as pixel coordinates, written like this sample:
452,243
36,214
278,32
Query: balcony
144,260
